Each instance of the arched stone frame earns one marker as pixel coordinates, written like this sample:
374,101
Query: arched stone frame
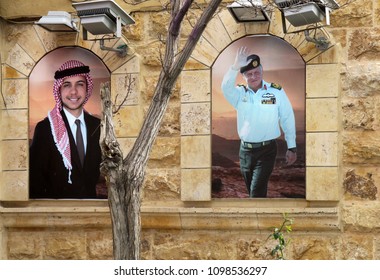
16,70
322,114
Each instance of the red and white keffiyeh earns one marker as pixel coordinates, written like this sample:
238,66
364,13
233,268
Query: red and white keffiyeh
61,137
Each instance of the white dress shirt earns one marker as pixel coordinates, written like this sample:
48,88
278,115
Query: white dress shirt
71,119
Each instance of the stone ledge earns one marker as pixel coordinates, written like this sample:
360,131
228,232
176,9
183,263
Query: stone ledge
165,218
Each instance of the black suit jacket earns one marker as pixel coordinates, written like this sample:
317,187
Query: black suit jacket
48,175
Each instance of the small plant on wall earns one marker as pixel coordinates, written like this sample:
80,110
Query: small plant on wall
278,234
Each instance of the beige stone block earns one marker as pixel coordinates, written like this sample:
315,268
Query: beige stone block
99,245
125,89
295,39
193,64
322,114
135,31
361,79
215,26
235,30
322,80
11,73
257,27
28,40
308,50
13,124
363,113
357,246
195,86
65,39
47,38
312,55
151,55
165,153
31,9
204,52
195,118
158,24
65,245
196,151
361,147
356,14
87,44
359,216
128,121
148,87
131,66
24,246
331,56
185,245
14,154
322,149
14,186
171,126
126,144
15,94
275,26
162,184
20,60
196,184
314,247
322,183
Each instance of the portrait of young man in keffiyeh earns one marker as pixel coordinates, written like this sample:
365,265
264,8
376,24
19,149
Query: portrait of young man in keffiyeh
65,154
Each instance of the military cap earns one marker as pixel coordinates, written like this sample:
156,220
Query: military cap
252,65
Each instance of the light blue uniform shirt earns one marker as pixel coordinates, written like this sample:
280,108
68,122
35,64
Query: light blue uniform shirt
260,114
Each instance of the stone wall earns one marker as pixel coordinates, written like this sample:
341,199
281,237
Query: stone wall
337,220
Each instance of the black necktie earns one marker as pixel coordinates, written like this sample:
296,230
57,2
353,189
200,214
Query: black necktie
80,145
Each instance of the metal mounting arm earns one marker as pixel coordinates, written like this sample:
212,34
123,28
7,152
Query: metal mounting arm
121,50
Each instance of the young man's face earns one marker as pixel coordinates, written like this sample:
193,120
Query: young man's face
73,94
254,77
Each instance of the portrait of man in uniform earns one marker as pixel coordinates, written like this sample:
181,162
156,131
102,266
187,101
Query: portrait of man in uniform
258,120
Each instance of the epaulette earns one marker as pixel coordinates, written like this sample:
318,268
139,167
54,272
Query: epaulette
244,86
276,86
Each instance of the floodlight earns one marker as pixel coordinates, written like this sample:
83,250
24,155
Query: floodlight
102,17
305,12
57,21
248,11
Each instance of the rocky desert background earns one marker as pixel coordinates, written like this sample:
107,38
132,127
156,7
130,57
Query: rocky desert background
227,181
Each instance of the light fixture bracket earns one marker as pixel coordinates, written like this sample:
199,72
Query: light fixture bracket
122,50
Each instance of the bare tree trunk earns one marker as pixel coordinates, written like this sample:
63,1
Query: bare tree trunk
125,176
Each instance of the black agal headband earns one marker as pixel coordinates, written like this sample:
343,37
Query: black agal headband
71,71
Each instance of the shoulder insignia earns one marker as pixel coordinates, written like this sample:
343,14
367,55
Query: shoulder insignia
276,86
242,85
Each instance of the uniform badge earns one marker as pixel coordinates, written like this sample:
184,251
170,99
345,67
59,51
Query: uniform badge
269,101
267,95
255,63
276,86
